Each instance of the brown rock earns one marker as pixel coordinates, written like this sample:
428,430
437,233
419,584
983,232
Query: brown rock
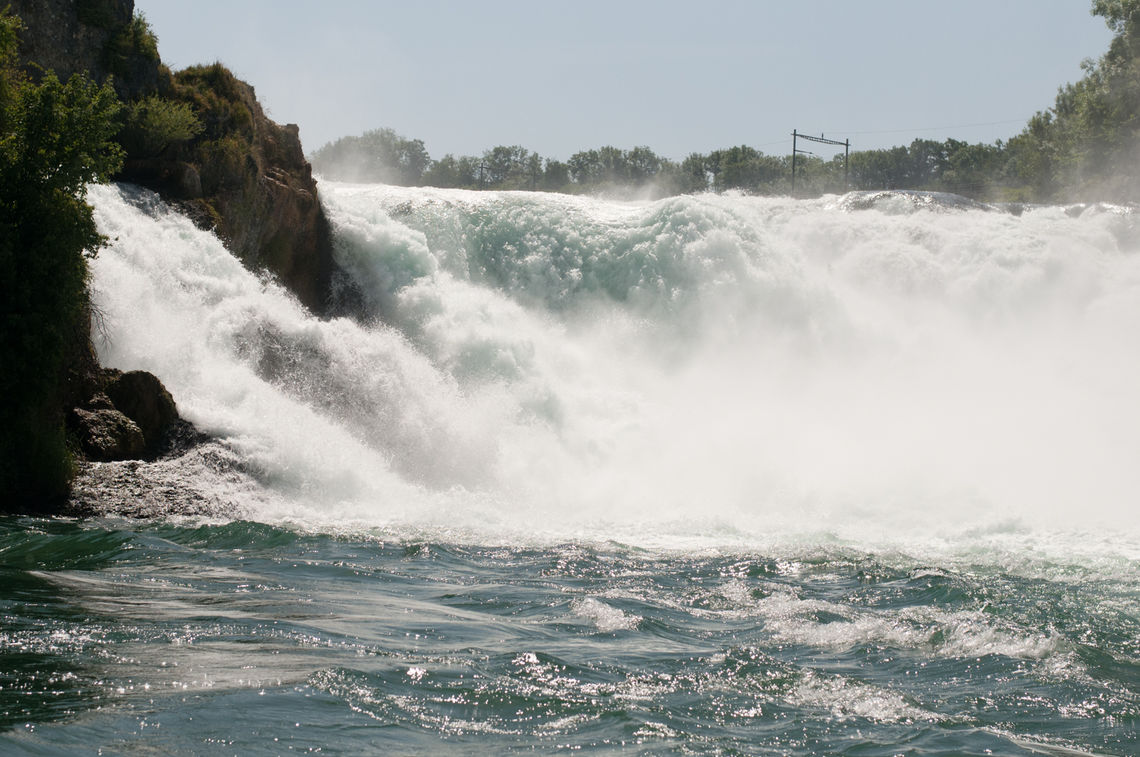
141,397
268,212
245,177
106,435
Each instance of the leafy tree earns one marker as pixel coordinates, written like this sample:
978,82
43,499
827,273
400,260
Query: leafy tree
970,168
749,169
695,173
533,170
379,155
585,167
55,138
506,167
610,166
614,168
450,171
642,165
1084,147
555,176
880,169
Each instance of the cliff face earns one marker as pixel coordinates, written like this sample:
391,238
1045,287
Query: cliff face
87,36
60,37
270,215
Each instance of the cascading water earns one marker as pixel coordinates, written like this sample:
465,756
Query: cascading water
699,365
709,475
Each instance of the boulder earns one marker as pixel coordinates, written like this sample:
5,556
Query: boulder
125,416
106,434
142,398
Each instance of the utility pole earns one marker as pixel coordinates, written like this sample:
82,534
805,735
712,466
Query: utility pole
794,151
845,144
846,155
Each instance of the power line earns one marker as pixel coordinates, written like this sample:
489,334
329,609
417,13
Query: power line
932,128
904,131
901,131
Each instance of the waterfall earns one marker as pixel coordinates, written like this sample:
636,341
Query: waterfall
699,368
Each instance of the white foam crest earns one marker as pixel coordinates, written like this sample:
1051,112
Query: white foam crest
605,618
926,630
973,634
846,698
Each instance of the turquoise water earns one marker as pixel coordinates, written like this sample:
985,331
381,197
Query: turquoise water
243,638
707,475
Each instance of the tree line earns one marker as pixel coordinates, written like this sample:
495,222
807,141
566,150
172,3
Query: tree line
1081,148
384,156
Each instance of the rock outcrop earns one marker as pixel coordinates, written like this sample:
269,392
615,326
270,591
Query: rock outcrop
141,397
246,178
128,416
106,434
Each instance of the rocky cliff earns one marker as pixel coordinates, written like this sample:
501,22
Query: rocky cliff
243,175
246,178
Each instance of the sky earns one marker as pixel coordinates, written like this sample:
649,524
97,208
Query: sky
679,77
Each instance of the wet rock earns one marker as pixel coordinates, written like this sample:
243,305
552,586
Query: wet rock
142,398
100,401
106,434
127,416
204,478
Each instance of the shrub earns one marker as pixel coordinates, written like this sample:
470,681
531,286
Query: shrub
217,97
135,40
154,123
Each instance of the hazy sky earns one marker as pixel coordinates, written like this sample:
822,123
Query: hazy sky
680,77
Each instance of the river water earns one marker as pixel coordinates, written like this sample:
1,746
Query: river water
703,475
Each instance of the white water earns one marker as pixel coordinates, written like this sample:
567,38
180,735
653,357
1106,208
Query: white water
695,370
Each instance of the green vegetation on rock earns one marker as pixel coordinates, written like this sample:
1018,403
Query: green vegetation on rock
225,133
155,123
135,40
